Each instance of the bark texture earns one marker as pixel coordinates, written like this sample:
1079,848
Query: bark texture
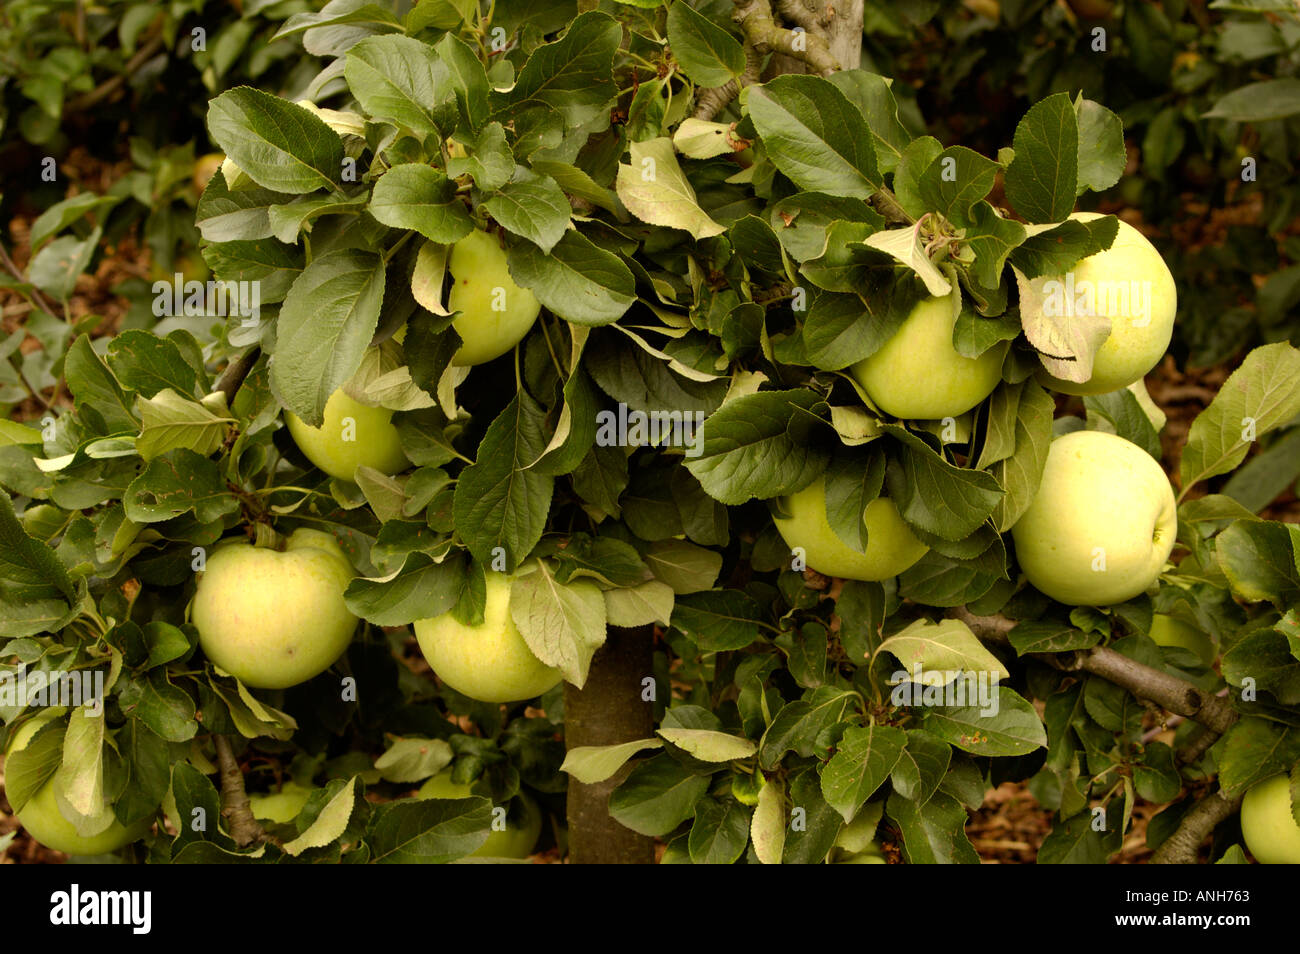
606,711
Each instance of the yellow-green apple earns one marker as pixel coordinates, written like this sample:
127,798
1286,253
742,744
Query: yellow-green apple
352,434
891,545
1102,523
1268,824
495,313
281,807
489,662
205,167
1170,631
918,374
43,820
1130,284
523,821
275,618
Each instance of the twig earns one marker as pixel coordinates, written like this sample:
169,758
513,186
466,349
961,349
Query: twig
244,828
1171,693
112,84
714,100
1180,848
887,205
235,373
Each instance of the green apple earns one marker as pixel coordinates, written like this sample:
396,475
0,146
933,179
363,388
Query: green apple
1102,523
891,545
489,662
352,434
275,618
495,313
1169,631
869,857
516,840
918,374
205,167
1130,284
1268,824
44,821
280,807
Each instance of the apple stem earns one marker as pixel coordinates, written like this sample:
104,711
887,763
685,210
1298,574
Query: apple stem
265,535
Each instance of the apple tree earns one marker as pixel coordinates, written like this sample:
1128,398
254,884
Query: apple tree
697,452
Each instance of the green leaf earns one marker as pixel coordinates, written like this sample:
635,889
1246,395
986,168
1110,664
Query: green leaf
1019,475
872,95
578,281
708,54
939,497
940,650
532,206
655,190
1049,636
147,363
281,146
573,75
420,589
767,827
169,421
590,764
324,327
96,389
719,833
1258,102
562,623
175,483
330,823
1252,750
1257,558
657,796
708,745
1123,415
1041,181
862,762
56,268
166,709
933,833
717,620
415,196
921,766
815,135
399,79
499,502
413,759
682,565
1102,156
1009,726
955,180
428,830
1261,394
464,75
798,724
759,445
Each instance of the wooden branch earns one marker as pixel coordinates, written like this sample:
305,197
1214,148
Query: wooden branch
1182,846
111,85
235,806
763,35
235,373
1171,693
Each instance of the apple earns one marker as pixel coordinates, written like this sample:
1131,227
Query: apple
918,374
275,618
1102,523
495,313
1268,824
489,662
872,856
1169,631
1139,336
352,434
205,167
45,822
280,807
516,840
891,545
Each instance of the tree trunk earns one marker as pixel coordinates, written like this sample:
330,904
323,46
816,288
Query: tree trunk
606,711
845,34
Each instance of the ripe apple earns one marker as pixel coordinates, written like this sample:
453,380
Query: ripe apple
1169,631
352,434
516,840
205,167
275,618
1268,825
489,662
495,313
1102,523
891,545
44,822
1139,336
280,807
918,374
